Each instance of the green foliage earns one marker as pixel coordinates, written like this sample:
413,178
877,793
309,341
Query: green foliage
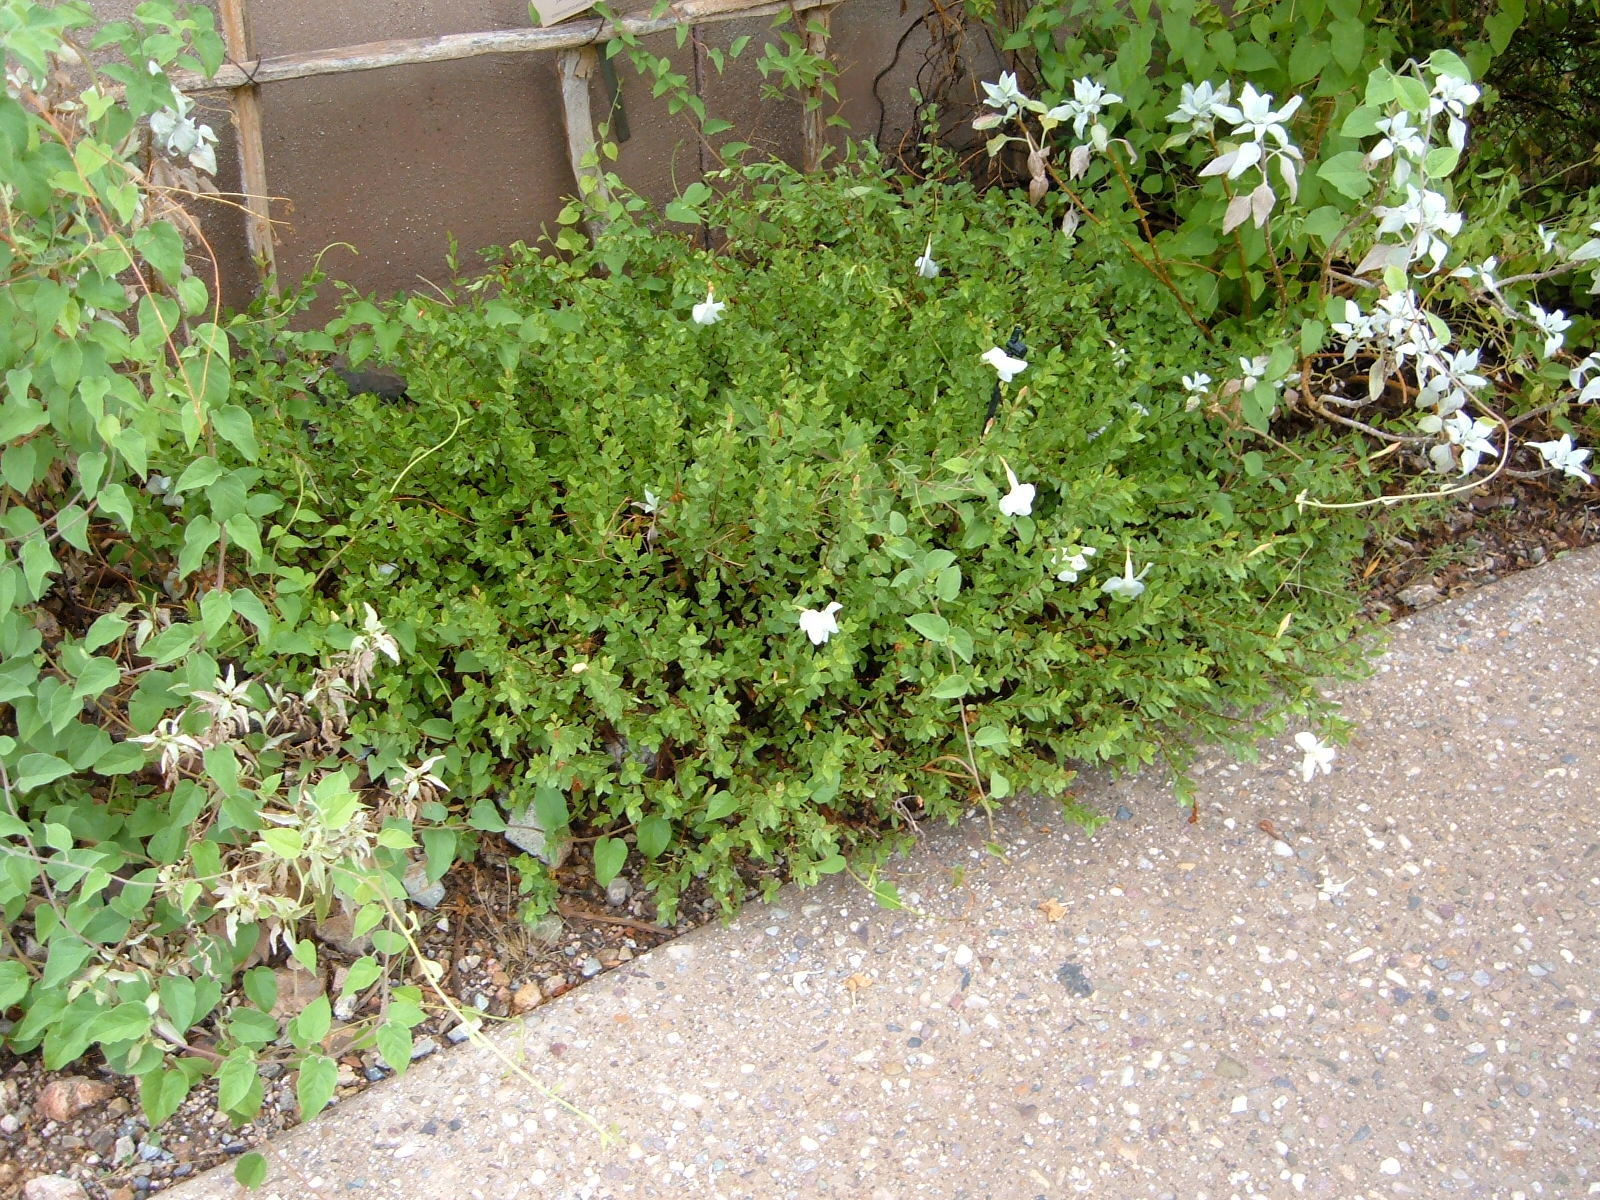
161,813
1298,201
789,63
594,523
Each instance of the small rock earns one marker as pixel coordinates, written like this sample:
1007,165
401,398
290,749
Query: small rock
526,997
1418,595
1390,1166
53,1187
527,835
1071,977
962,956
123,1150
618,891
296,989
547,931
590,967
61,1099
1123,813
422,893
339,931
463,1031
9,1124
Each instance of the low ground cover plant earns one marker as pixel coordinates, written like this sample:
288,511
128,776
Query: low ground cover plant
891,505
904,497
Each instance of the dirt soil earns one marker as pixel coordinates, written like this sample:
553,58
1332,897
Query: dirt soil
92,1130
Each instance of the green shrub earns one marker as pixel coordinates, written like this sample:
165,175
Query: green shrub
596,522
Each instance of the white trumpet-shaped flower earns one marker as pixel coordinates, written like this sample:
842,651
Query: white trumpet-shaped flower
709,310
819,624
1007,367
926,267
1126,586
1018,502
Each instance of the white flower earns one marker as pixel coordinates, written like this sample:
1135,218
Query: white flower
1427,215
1197,384
1009,368
1564,457
1547,240
926,267
182,137
1126,586
172,744
1005,95
1018,502
1589,389
1460,430
1483,272
1448,380
709,310
1253,115
1199,104
1590,249
818,624
1553,325
1089,100
374,636
649,504
1068,562
419,782
1318,756
229,706
1452,96
1399,137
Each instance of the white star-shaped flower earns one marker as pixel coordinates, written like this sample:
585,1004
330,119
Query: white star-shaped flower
1318,755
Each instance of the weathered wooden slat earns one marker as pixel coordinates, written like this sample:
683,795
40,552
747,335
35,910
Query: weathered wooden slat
583,151
396,52
252,153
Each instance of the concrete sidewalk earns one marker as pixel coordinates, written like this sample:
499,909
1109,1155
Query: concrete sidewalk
1393,997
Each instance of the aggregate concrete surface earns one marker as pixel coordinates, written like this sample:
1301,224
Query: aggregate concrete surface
1378,983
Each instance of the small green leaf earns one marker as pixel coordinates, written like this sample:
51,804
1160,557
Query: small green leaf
161,1092
485,816
251,1170
931,626
363,973
653,836
36,770
235,1079
721,804
314,1086
396,837
14,981
179,1001
550,809
610,855
952,687
394,1043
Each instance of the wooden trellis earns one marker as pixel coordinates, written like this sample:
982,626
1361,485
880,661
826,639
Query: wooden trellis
575,42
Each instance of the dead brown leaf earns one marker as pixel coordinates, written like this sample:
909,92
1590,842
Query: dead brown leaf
1052,909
